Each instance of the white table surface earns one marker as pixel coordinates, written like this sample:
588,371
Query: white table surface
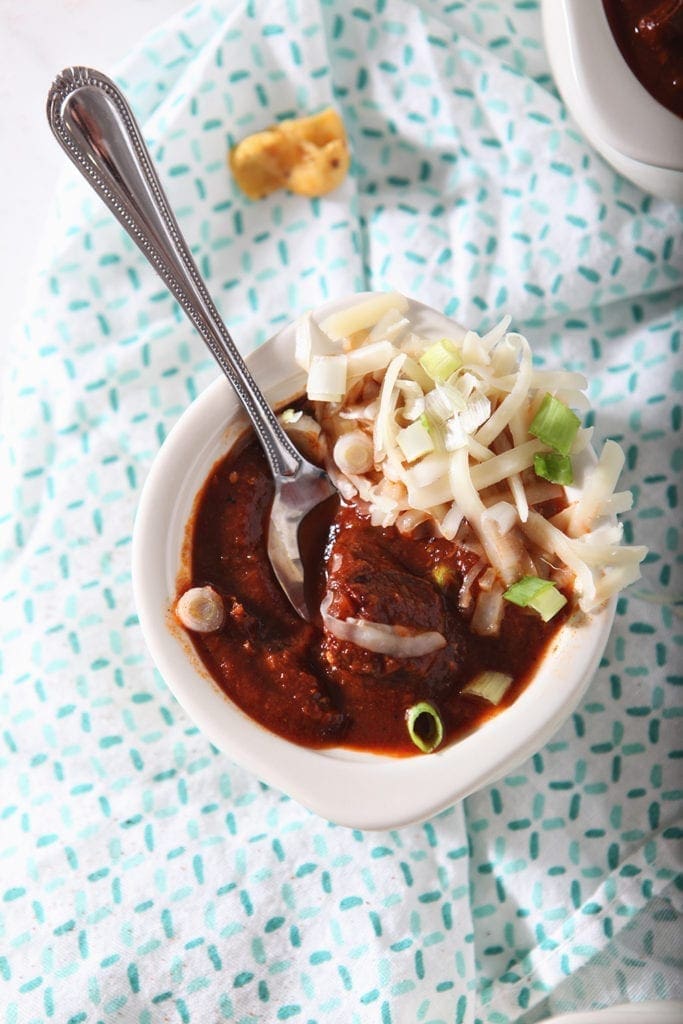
37,39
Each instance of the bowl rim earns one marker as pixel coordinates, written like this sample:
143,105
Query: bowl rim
603,93
354,789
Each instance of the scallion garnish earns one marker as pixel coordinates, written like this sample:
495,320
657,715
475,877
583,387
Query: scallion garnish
441,360
492,686
555,425
554,467
525,590
540,595
424,726
548,603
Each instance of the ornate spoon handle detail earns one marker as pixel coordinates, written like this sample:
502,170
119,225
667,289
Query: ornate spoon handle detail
95,126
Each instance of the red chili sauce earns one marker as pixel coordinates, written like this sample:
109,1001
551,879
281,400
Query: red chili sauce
301,682
649,34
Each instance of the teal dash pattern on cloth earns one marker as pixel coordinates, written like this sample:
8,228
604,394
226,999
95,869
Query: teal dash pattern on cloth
144,878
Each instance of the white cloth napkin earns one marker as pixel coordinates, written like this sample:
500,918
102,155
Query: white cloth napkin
143,876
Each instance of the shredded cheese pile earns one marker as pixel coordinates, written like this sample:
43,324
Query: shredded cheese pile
436,432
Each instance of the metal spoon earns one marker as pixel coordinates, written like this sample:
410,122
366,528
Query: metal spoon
95,126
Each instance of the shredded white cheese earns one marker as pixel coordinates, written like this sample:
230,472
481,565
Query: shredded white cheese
366,370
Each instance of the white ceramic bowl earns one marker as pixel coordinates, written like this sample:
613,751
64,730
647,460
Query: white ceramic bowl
626,1013
638,136
360,790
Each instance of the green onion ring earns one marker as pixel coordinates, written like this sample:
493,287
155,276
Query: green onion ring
554,467
435,737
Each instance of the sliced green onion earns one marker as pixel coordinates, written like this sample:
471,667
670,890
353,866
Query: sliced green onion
540,595
492,686
548,603
424,726
414,441
554,467
525,590
441,360
555,424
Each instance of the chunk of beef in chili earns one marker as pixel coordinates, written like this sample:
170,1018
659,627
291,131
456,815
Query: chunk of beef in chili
377,575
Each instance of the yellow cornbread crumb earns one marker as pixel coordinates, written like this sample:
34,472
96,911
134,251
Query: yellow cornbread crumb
307,155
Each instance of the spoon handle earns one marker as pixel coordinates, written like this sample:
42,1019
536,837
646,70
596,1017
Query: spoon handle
95,126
